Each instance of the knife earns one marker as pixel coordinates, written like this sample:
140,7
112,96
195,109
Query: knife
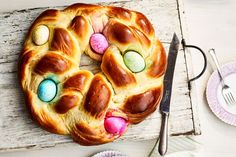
165,102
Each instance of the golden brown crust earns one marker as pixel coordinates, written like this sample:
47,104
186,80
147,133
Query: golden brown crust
120,13
119,76
62,42
83,101
87,135
80,25
47,15
53,63
81,7
140,105
42,116
98,97
158,66
119,32
66,103
24,60
78,81
143,39
144,24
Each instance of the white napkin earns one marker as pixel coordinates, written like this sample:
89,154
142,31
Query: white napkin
182,146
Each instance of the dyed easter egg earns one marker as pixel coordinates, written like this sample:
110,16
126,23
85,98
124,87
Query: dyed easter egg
98,43
115,125
40,35
47,90
134,61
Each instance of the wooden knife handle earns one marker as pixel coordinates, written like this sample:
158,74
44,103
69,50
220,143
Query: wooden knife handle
163,144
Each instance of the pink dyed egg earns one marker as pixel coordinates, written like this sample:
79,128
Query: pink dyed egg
99,43
115,125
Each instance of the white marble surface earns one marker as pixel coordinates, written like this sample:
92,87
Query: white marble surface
211,23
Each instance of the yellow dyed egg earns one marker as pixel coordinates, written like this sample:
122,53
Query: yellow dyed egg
40,35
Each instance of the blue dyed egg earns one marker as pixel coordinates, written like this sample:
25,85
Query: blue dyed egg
47,90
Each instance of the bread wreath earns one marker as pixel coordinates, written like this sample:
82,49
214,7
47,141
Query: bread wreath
91,108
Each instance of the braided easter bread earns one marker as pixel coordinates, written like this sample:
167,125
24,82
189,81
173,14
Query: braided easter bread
91,108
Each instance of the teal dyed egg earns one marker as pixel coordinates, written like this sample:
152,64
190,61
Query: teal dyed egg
47,90
134,61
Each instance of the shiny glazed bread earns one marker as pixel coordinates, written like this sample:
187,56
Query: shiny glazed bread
92,108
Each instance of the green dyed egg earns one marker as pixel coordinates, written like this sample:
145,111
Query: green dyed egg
134,61
47,90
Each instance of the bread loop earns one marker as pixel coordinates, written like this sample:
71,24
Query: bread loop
92,108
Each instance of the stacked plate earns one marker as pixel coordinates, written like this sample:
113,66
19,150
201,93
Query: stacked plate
110,153
225,112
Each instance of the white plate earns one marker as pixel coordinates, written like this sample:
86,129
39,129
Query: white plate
231,81
226,113
110,153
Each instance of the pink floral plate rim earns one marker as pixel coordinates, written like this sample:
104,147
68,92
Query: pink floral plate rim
211,94
110,153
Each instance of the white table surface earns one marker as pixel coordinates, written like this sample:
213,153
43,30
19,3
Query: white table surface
211,24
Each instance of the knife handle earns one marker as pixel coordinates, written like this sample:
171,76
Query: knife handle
163,144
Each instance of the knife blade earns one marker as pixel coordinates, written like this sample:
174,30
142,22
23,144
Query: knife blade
165,102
